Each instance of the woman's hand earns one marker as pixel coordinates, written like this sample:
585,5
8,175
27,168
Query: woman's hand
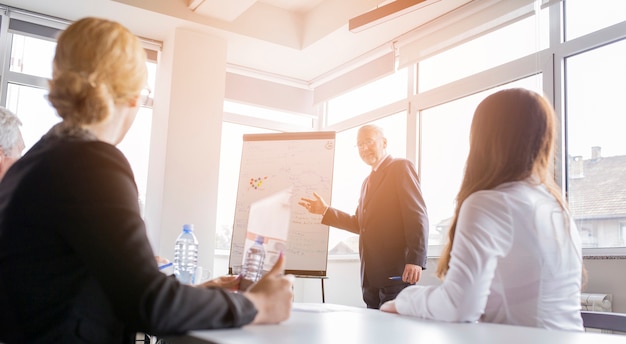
389,307
229,282
272,295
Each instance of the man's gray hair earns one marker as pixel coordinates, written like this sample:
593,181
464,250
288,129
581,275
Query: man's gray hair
9,130
375,128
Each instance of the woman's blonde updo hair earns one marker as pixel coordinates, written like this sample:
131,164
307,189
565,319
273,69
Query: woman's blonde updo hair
98,63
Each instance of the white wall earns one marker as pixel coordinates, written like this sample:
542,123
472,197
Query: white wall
185,143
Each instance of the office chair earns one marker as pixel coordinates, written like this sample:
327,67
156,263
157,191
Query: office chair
604,320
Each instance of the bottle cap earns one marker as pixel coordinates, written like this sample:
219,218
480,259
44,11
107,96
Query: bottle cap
188,227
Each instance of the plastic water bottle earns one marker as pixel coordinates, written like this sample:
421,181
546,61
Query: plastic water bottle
252,268
186,255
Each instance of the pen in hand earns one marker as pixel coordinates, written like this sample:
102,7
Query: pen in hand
165,266
396,278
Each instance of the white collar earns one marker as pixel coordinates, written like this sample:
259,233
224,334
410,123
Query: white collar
375,168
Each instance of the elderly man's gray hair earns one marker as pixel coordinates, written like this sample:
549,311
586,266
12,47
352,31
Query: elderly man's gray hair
9,130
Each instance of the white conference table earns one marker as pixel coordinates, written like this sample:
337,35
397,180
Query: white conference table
328,324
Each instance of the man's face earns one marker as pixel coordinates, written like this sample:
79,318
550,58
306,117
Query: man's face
372,146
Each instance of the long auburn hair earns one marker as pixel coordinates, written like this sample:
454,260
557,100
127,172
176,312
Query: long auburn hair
512,137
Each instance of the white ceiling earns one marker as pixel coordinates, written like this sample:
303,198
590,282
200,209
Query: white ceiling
304,41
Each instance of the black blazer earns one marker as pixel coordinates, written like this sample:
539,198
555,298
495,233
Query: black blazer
391,221
75,262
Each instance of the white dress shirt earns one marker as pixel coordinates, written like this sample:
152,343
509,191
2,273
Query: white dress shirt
515,260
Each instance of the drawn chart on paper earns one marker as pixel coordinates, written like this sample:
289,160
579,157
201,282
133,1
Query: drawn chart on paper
272,163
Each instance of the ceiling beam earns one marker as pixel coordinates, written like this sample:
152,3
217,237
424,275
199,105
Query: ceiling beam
227,10
193,4
385,13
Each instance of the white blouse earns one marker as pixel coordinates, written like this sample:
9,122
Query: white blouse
515,260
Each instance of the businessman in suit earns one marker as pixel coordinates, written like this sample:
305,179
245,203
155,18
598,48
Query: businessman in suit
390,219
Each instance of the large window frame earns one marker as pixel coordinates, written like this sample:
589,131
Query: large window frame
19,28
547,61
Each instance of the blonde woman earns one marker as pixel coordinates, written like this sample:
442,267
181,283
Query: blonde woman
75,262
514,254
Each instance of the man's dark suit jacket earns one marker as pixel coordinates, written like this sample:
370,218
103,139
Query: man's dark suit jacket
75,262
391,221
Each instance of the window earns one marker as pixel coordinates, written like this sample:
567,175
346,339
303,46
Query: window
529,36
596,153
31,54
588,235
445,141
350,171
136,148
31,106
369,97
584,78
230,158
303,120
583,16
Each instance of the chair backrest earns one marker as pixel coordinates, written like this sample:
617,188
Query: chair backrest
604,320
